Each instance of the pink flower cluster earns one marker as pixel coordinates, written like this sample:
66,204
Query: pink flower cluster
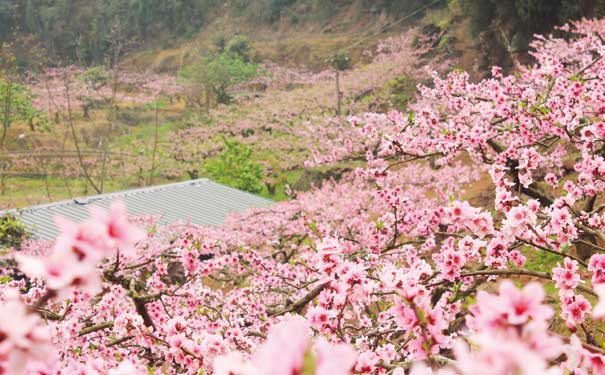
509,335
478,222
291,340
78,250
25,341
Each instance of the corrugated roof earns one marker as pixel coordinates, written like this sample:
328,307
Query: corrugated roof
200,201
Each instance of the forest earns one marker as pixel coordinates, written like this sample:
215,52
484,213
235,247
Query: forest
434,172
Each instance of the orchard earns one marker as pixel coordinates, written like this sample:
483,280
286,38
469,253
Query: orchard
391,271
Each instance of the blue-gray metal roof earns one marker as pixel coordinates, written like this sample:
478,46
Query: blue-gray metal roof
200,201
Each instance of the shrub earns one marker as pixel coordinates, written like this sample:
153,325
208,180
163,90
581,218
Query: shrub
12,232
235,168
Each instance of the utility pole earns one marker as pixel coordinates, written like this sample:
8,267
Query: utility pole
338,93
341,61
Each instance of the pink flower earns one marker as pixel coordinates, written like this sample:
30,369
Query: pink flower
510,333
366,362
329,254
525,304
458,211
500,356
290,339
598,311
574,309
319,316
566,278
284,353
580,361
462,213
333,359
596,264
118,230
512,307
234,364
63,268
450,261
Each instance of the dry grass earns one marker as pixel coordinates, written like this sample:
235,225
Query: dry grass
307,44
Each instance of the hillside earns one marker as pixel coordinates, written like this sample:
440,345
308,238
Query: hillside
125,104
86,31
89,32
103,128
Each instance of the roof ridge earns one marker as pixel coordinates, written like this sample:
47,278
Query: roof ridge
84,200
199,201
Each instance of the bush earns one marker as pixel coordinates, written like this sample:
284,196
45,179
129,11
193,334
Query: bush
12,232
235,168
240,46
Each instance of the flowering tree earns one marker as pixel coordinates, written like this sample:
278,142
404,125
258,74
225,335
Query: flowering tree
388,272
296,113
16,106
77,147
56,90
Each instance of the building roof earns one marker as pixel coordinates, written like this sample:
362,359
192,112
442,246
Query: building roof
200,201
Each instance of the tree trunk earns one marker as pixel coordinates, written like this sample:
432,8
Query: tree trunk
585,251
207,95
338,105
155,142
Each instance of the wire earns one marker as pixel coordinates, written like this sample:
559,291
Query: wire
385,28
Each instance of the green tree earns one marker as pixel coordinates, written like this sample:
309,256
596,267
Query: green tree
234,167
218,72
15,99
341,61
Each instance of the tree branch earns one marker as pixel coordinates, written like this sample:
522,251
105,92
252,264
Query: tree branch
301,303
